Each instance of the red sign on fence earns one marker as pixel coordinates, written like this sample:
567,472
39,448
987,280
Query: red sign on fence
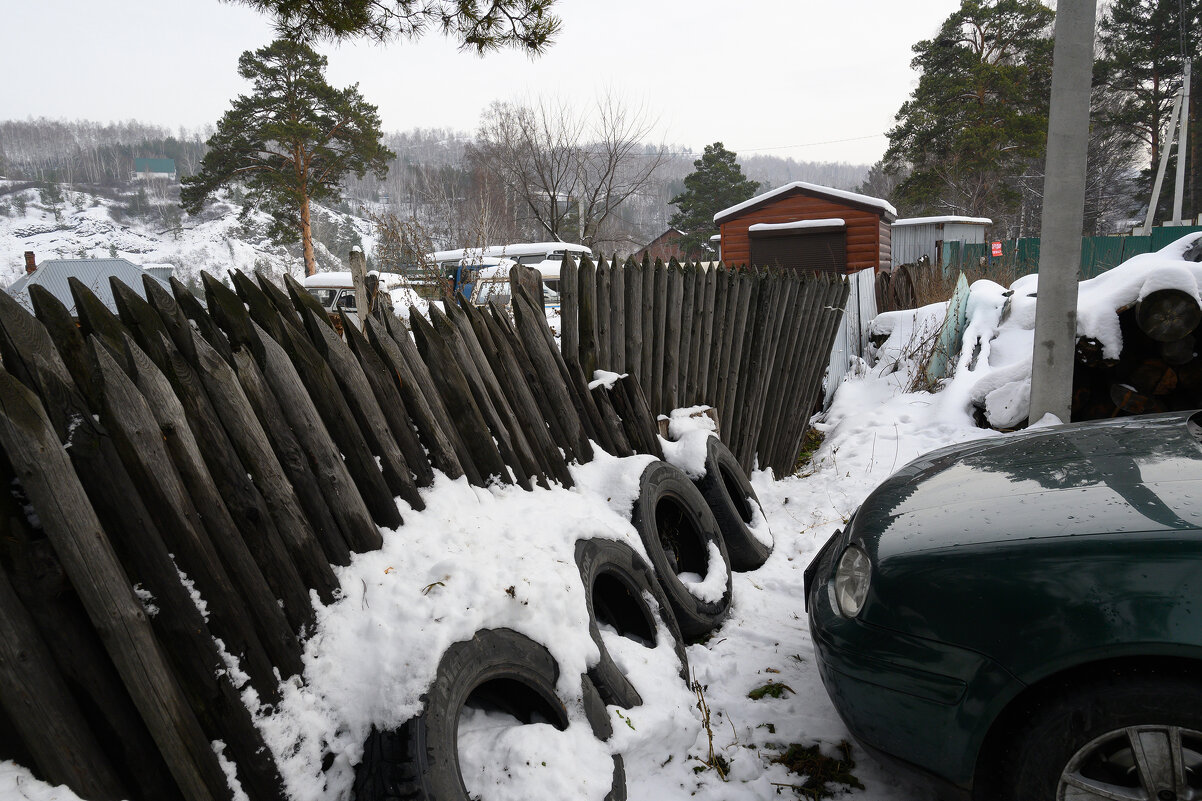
997,249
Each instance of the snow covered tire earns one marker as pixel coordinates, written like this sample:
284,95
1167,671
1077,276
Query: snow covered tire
677,529
616,582
734,504
420,760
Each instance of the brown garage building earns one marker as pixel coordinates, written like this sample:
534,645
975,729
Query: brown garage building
806,226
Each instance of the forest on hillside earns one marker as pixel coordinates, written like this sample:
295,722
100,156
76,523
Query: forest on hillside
435,179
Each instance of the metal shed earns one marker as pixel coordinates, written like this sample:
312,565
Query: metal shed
915,237
53,275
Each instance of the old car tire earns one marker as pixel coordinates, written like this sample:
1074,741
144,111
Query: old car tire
420,760
677,529
1080,734
616,582
734,504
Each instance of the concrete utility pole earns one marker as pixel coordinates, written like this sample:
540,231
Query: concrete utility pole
1063,211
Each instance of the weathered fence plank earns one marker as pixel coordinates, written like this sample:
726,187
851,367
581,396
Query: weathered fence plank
464,414
46,716
569,309
345,501
604,319
632,285
69,521
424,404
617,309
364,411
587,322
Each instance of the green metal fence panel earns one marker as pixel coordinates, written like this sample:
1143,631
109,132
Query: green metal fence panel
1136,245
1026,258
1162,237
1099,254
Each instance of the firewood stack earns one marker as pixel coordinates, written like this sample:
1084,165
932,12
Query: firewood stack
1159,368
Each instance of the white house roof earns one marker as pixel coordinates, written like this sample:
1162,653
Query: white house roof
853,197
951,218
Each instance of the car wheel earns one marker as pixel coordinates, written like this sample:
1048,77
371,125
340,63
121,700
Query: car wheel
734,504
617,582
685,547
1120,738
498,669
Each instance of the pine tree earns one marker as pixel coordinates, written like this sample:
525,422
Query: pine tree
978,117
716,183
1141,44
289,142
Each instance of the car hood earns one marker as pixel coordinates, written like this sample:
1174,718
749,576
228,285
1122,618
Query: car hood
1140,474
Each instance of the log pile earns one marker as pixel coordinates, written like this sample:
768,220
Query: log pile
238,448
753,344
1159,368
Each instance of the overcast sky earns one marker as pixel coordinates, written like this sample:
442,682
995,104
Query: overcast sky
818,81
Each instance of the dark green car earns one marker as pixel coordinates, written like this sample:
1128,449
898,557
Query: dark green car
1021,617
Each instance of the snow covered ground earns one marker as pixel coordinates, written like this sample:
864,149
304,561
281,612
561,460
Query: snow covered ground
502,557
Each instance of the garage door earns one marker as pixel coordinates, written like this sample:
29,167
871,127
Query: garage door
816,250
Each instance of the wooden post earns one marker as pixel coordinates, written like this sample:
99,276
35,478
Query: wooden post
465,415
229,312
531,417
617,311
506,337
673,319
358,263
632,285
647,313
688,303
588,315
323,389
659,299
300,545
364,411
430,417
396,413
191,308
279,298
345,501
500,420
69,521
552,377
45,714
604,319
569,309
139,441
292,457
716,329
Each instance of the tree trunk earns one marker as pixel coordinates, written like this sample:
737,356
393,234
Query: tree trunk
307,237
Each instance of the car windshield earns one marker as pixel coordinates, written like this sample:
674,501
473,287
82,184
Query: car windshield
324,295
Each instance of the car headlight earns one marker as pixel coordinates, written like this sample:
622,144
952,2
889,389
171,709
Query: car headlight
851,580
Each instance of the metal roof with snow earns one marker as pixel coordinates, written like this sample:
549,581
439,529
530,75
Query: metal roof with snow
853,198
53,274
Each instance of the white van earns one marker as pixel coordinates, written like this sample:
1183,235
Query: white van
461,266
335,291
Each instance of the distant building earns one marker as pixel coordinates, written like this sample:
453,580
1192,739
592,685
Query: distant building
145,169
916,237
54,275
666,246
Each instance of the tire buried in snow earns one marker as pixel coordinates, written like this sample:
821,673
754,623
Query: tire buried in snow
617,582
505,670
735,506
684,543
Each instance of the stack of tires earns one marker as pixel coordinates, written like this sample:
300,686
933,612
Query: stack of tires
694,533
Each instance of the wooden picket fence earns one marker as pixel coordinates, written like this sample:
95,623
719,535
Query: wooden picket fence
754,344
242,444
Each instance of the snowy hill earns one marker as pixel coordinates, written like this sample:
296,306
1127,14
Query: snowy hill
100,225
